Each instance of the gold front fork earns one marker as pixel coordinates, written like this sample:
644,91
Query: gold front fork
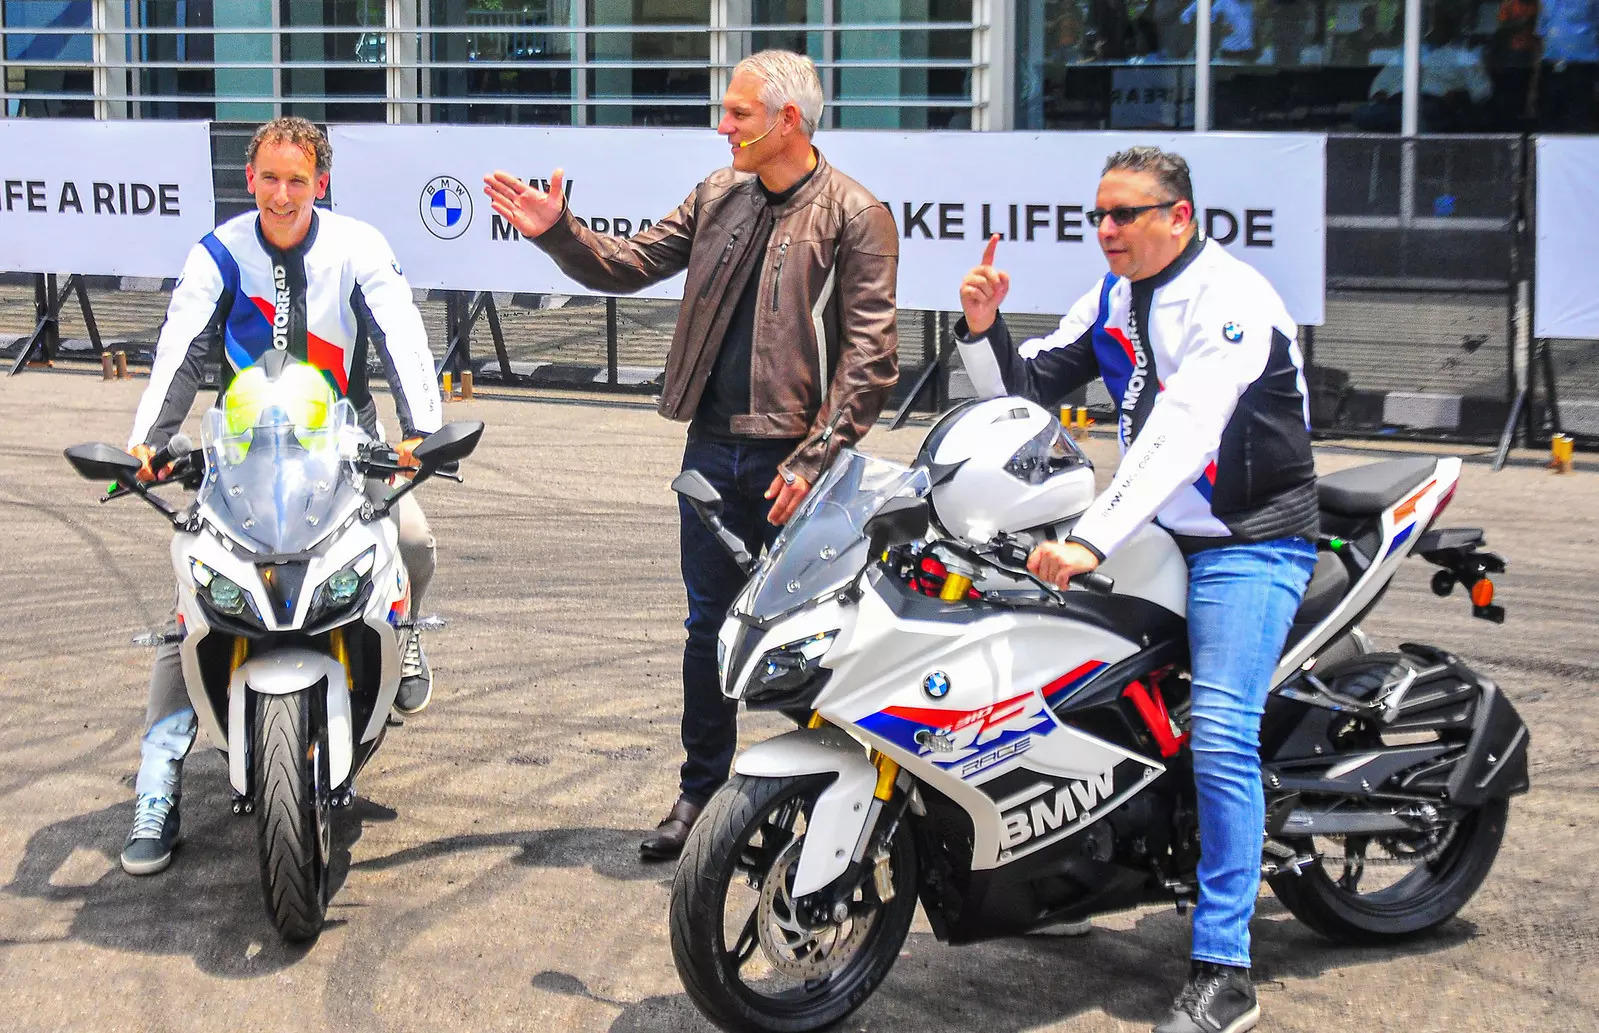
341,653
241,653
887,767
887,771
955,587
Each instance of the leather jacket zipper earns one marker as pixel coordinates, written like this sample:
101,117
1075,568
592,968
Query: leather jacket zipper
777,277
727,253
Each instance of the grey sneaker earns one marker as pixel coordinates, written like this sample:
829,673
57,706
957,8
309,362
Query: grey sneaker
1216,999
155,833
416,678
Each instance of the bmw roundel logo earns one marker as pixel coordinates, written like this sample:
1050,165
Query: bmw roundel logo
1233,332
446,207
936,685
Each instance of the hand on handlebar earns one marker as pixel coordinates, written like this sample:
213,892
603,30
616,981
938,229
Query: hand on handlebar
1058,562
147,455
405,457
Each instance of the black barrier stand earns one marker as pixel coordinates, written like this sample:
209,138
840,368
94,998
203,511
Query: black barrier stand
493,314
610,342
1516,393
933,360
47,303
462,310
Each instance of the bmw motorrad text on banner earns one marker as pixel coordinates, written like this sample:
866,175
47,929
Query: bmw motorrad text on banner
1014,756
293,610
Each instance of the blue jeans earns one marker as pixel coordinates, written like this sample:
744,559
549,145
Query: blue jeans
1241,603
740,471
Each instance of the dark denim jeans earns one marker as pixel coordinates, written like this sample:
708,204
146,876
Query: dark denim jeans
740,471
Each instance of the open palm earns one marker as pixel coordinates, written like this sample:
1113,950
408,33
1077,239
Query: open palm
529,209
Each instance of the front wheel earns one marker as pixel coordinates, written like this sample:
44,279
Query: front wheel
292,812
749,956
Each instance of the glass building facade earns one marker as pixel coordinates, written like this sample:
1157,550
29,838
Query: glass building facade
1378,66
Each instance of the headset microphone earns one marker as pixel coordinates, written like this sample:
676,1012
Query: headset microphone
758,139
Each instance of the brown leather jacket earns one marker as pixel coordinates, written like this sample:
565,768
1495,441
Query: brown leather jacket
825,338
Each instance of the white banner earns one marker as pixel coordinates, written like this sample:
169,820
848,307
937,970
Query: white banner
1262,195
104,198
1566,302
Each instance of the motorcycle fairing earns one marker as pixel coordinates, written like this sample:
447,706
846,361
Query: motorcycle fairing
1394,530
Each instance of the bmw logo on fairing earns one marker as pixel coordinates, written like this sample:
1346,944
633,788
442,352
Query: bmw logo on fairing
446,207
936,685
1233,332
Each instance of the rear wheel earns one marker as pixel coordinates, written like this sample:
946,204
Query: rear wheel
1369,888
292,811
750,957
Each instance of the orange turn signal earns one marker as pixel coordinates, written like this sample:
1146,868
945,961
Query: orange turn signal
1482,593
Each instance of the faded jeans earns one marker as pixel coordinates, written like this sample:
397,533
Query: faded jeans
1241,604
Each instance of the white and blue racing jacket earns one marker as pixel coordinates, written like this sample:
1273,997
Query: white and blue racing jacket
1213,413
327,301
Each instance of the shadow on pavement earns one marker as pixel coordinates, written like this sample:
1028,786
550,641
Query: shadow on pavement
208,904
1007,986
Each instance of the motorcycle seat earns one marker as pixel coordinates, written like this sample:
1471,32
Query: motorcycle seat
1364,491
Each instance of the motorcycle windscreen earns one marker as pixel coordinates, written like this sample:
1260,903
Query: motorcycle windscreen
282,483
823,546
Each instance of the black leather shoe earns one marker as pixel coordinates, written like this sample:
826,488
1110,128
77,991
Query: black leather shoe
1216,999
666,842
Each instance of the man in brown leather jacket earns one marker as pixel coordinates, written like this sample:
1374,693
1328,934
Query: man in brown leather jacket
784,353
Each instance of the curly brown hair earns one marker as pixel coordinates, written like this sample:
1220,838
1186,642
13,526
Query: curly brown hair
298,131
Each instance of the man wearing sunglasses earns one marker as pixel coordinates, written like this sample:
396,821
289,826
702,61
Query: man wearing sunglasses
1199,354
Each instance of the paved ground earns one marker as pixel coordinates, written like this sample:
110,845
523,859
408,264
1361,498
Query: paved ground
492,883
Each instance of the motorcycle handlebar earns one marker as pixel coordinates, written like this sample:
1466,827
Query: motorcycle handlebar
1013,551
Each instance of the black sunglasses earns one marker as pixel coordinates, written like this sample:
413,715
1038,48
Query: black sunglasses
1124,215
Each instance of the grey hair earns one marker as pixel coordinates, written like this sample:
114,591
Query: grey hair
1170,170
787,78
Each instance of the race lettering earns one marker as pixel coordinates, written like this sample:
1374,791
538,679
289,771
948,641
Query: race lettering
280,315
1135,383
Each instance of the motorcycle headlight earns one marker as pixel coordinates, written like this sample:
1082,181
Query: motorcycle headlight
223,592
791,674
345,587
224,595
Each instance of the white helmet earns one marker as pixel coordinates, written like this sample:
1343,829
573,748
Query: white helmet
1003,464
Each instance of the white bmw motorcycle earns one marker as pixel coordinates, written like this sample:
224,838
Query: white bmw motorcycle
292,607
1012,755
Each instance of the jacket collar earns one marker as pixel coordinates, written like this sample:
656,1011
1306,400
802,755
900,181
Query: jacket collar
809,189
299,249
1184,259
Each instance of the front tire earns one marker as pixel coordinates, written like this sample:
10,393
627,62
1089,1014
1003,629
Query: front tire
292,811
771,970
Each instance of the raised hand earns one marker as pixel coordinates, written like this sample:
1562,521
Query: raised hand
529,209
982,291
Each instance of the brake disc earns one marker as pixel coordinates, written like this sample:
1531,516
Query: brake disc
793,946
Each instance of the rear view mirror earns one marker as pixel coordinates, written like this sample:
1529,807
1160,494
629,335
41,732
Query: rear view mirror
707,505
692,485
450,443
99,462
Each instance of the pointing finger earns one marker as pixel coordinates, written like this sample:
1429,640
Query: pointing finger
988,252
